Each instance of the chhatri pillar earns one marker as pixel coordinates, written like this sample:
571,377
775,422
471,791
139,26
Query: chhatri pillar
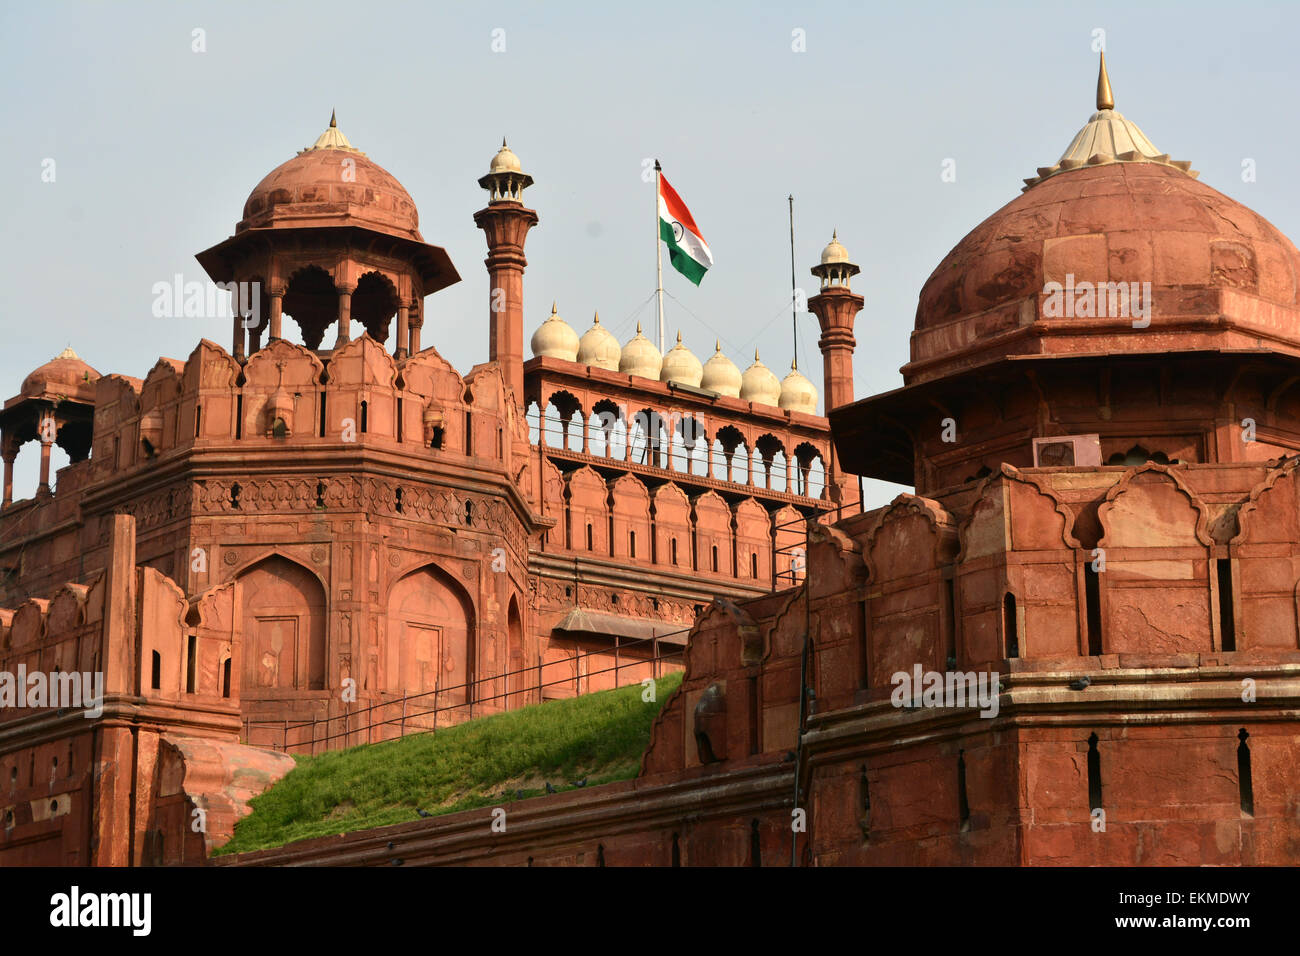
9,452
505,222
345,315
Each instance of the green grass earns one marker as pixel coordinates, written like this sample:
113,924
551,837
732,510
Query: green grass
483,762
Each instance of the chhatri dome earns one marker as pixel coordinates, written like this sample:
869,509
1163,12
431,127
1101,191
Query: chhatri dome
720,374
65,373
1113,209
599,348
640,357
681,366
505,161
505,180
759,384
555,339
329,183
834,253
797,393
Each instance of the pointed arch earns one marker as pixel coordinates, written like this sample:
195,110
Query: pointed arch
431,640
282,608
516,656
311,300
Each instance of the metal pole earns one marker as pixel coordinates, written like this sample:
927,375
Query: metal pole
794,320
659,262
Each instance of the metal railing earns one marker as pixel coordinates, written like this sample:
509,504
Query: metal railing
466,698
656,449
798,551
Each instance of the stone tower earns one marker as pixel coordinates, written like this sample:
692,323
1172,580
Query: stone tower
505,222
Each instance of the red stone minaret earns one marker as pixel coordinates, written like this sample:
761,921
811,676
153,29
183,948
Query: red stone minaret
836,306
506,222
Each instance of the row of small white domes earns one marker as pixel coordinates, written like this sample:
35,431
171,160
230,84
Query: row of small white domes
598,348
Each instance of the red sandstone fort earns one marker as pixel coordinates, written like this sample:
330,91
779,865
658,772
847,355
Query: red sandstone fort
314,540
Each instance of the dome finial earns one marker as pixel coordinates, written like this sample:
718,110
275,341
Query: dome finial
553,309
1105,99
638,327
679,336
334,123
835,235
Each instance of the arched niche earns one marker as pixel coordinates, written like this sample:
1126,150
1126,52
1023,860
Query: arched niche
430,639
516,656
282,609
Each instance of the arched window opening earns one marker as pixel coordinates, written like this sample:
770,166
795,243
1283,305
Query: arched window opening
1010,630
312,301
155,673
1227,621
1137,455
1092,601
374,304
1094,774
1243,774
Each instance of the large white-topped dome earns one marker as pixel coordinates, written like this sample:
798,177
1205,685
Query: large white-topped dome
720,374
555,339
681,366
759,384
640,357
599,348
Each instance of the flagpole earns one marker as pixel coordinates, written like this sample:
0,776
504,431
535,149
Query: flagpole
659,263
794,293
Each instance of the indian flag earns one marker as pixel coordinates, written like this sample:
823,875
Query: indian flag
687,250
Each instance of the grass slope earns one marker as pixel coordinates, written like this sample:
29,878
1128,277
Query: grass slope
599,736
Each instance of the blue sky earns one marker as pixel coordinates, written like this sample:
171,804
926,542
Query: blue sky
156,147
